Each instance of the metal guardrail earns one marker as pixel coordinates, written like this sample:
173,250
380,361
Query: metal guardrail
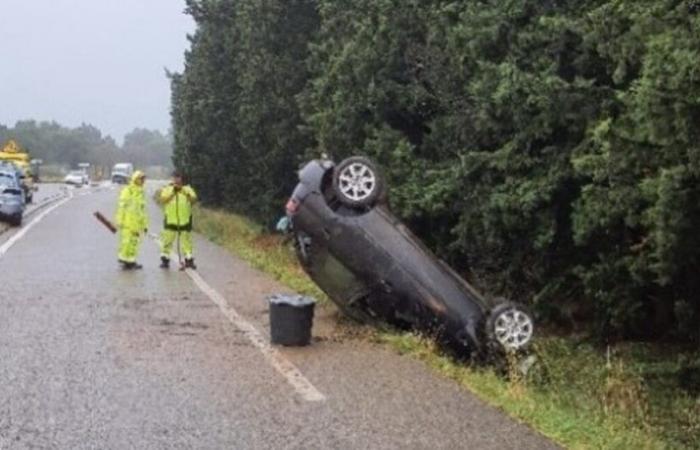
63,193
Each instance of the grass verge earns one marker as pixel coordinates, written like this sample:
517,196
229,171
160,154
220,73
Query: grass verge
265,252
630,396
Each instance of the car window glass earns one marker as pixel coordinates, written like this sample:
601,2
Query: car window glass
6,181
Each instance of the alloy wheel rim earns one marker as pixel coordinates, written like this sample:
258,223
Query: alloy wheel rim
513,329
357,181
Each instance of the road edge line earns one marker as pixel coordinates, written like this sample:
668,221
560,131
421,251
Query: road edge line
7,245
281,364
36,209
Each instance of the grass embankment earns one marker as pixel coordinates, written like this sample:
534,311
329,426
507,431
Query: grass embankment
263,251
579,396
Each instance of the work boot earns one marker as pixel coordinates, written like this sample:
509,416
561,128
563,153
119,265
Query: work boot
131,265
189,263
164,262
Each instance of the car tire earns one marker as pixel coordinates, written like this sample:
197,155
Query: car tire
510,327
357,182
16,221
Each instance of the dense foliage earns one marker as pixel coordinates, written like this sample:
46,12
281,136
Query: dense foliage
237,123
59,145
549,149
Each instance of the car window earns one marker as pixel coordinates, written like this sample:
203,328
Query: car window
7,181
332,275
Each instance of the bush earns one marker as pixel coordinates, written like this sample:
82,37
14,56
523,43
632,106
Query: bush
548,150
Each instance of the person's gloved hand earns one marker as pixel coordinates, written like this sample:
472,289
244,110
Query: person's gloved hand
284,225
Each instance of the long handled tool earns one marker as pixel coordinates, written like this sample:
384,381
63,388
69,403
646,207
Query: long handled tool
105,221
177,214
179,252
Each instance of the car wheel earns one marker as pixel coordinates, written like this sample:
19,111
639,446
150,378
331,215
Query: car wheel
16,221
510,326
357,182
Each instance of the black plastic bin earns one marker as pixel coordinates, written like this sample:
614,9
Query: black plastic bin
291,319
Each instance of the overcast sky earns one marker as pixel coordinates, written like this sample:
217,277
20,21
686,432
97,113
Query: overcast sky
96,61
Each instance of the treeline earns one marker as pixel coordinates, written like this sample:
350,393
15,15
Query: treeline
550,150
59,145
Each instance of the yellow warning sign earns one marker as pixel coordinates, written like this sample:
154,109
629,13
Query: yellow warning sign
12,151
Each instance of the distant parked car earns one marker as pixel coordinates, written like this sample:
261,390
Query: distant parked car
12,199
26,182
6,166
76,178
375,269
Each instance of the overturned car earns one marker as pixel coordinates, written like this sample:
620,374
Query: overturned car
376,270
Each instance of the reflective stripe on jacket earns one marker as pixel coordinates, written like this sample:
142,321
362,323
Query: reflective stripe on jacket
178,209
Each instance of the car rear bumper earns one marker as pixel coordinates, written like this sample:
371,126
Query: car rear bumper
121,179
11,210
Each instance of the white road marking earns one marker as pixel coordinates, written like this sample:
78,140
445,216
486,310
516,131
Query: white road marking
22,232
282,365
288,370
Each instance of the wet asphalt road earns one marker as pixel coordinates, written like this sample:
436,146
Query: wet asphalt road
45,193
92,357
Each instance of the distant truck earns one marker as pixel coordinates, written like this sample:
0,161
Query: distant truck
121,173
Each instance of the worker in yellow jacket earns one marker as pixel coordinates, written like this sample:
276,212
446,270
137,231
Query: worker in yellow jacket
177,199
131,220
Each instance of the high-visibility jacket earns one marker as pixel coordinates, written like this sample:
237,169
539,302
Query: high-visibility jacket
178,207
131,212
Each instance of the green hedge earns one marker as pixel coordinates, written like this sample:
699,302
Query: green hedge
550,150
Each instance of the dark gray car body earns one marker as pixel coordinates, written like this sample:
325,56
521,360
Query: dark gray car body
373,267
12,198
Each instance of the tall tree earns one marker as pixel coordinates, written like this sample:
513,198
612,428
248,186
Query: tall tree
237,124
547,149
